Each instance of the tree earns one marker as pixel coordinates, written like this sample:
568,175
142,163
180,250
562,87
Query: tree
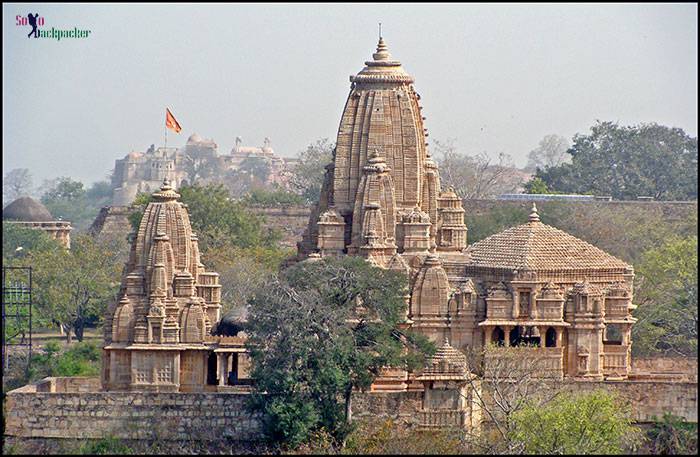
16,183
667,295
219,221
18,241
308,173
319,331
476,177
510,379
536,186
272,198
67,200
591,423
550,152
627,162
73,287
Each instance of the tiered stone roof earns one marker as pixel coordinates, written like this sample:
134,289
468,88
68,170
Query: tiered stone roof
446,364
537,246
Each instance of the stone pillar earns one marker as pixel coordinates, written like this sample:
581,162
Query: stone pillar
543,335
507,330
560,333
221,368
516,304
229,365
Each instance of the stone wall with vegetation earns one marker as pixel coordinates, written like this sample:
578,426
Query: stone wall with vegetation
37,411
72,408
651,399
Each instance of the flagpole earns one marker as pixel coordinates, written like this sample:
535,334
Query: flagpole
165,148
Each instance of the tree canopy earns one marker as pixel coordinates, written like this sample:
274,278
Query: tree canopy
308,173
69,200
667,294
627,162
318,331
591,423
74,287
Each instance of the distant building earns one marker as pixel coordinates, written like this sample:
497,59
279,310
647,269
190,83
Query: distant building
29,213
145,171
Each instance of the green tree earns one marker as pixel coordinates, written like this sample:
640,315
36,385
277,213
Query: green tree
592,423
308,173
271,198
69,200
15,237
73,287
219,221
536,186
316,333
627,162
667,295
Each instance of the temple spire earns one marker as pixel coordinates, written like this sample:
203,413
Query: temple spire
534,217
380,30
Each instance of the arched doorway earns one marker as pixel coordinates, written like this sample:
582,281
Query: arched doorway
550,339
498,336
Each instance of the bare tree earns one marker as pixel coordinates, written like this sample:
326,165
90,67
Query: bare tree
16,183
308,172
509,379
550,152
478,176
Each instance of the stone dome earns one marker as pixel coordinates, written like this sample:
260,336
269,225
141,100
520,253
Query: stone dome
26,209
194,138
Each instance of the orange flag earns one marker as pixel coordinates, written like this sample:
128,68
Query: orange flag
171,122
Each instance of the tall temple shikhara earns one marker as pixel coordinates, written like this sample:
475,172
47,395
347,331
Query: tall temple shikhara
382,199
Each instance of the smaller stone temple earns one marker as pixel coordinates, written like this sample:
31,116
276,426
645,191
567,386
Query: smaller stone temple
27,212
158,336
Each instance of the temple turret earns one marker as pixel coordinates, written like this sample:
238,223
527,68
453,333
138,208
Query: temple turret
168,299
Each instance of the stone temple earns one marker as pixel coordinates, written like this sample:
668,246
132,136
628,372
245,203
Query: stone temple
174,368
159,335
529,285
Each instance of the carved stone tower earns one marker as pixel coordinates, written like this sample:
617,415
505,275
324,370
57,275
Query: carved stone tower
154,336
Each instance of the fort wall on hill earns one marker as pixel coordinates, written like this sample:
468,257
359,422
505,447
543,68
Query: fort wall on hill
292,220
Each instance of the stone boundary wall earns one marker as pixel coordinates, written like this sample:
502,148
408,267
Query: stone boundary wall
402,407
686,367
651,398
292,220
72,408
36,411
672,210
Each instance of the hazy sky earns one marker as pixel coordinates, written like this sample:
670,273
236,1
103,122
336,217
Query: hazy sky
495,78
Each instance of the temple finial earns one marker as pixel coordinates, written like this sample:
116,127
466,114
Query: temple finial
380,30
534,217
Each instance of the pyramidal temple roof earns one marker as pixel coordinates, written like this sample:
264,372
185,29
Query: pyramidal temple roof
537,246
